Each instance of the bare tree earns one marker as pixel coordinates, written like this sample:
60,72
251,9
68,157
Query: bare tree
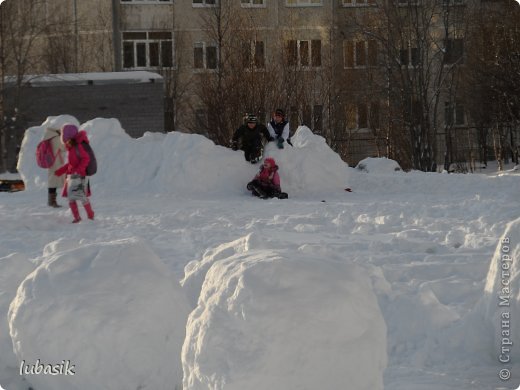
493,79
421,46
20,30
212,84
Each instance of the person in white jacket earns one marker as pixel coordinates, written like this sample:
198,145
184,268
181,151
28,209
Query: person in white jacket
53,181
279,128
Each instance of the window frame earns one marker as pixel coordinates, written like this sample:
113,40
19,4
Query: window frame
250,61
358,3
205,46
450,51
408,3
304,3
357,111
147,41
203,4
350,50
146,1
410,63
453,3
312,61
452,109
251,4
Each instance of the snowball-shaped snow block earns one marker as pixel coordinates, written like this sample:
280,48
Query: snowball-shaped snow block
33,176
109,309
281,322
13,270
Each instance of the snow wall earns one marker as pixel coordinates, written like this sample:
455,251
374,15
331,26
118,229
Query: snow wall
188,164
192,165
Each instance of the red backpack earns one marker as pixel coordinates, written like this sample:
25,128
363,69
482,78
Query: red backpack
44,155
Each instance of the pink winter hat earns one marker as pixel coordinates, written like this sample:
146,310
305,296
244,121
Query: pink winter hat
270,161
68,131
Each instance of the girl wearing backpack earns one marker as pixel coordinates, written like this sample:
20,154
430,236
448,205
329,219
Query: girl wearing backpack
76,186
58,151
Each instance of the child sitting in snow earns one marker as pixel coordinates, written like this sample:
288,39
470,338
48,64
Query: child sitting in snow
76,186
266,183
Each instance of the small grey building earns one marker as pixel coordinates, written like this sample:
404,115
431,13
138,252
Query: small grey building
135,98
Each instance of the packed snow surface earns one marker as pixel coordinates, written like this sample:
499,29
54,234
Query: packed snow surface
185,281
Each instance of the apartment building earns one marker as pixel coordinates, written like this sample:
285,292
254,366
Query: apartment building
336,67
374,78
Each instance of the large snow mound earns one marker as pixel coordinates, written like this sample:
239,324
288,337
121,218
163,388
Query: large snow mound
272,319
112,309
189,164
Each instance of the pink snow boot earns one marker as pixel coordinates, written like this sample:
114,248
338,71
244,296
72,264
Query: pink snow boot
75,212
88,209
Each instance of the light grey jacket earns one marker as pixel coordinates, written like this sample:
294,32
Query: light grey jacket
58,149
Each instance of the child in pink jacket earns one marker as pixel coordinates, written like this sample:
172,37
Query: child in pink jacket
76,185
266,183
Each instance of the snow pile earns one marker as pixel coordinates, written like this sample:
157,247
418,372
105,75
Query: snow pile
189,164
111,308
489,334
381,165
275,319
310,166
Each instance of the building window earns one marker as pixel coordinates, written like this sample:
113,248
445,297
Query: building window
448,3
454,51
252,3
454,114
317,119
303,3
409,56
357,3
359,54
307,115
201,120
147,49
304,53
407,3
205,3
146,1
205,56
362,115
254,55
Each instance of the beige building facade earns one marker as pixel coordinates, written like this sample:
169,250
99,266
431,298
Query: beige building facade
353,71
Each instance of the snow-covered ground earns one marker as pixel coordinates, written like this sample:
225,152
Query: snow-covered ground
185,281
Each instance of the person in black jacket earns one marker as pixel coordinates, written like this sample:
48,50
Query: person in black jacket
248,138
